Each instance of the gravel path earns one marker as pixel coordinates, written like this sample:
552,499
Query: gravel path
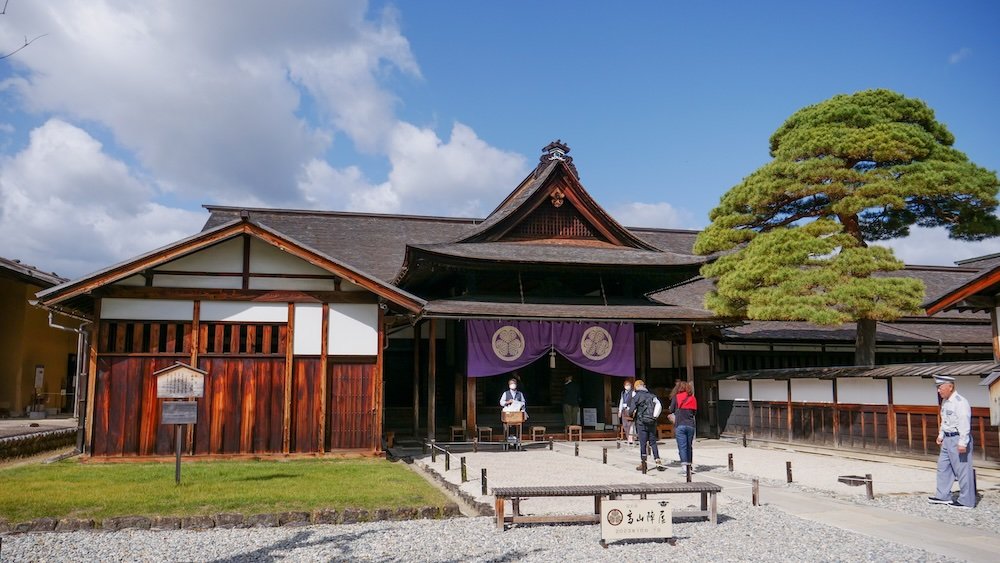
745,533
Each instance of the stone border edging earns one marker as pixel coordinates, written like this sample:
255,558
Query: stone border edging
30,444
231,520
484,509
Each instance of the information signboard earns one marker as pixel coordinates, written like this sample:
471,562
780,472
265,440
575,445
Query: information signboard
590,417
180,381
636,519
179,412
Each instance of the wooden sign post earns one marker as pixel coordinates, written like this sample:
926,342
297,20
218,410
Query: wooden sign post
183,382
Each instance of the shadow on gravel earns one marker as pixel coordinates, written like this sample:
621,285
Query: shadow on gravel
512,555
300,540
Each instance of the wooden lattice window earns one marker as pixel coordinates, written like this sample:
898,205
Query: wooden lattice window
549,222
243,339
145,337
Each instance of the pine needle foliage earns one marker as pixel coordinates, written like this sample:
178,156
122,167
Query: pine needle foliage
854,169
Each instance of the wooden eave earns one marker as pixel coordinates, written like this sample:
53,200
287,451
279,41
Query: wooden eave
85,286
977,294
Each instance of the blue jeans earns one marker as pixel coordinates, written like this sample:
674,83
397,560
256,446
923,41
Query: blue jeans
685,443
647,440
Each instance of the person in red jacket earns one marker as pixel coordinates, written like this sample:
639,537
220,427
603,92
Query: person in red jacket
683,408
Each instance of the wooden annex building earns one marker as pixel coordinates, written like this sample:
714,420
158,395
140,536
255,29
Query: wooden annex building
320,331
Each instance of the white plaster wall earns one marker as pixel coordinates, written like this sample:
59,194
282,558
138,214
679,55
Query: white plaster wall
268,259
308,329
147,309
812,391
968,386
862,391
770,390
227,256
244,311
734,390
200,282
661,354
702,354
914,391
353,329
291,284
132,281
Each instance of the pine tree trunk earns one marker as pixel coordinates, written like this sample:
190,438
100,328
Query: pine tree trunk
864,343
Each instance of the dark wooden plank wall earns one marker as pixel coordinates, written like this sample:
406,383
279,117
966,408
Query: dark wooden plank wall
862,427
351,411
305,405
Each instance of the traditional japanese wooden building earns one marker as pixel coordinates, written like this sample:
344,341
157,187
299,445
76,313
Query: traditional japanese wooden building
319,331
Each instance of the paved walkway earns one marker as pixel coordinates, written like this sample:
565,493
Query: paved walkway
21,426
825,500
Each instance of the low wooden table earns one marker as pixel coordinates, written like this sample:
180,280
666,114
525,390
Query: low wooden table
515,495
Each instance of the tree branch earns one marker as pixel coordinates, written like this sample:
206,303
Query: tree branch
26,43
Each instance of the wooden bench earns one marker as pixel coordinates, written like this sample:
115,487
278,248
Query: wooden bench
515,495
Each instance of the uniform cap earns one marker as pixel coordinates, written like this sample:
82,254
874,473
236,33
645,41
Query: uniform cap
942,379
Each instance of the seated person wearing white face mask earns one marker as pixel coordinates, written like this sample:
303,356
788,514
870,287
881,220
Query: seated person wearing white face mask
512,399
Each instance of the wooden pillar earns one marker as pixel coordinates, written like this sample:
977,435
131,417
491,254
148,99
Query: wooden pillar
750,403
836,415
324,345
996,334
607,399
416,378
93,346
890,415
195,349
379,386
470,405
431,379
286,418
789,416
689,352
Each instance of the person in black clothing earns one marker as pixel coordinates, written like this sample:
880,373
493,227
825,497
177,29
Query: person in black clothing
644,408
571,401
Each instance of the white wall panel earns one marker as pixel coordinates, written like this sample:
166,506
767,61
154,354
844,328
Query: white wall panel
968,386
734,390
770,390
353,329
702,354
812,391
147,309
308,329
199,282
268,259
132,281
914,391
227,256
862,391
292,284
244,311
661,354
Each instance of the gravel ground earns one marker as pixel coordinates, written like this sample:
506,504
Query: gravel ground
745,533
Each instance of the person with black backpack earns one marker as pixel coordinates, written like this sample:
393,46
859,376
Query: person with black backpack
645,408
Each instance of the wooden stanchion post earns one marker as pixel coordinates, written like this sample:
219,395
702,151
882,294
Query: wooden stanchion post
730,462
687,471
756,492
576,449
551,443
465,470
483,480
744,439
475,445
434,454
447,461
868,486
605,455
618,445
643,467
788,471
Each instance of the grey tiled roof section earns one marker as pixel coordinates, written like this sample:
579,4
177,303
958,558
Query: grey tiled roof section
560,253
30,273
886,333
522,193
980,368
980,262
478,309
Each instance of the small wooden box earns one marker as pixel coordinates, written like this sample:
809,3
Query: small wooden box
512,417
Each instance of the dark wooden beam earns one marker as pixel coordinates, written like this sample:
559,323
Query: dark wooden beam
259,295
246,261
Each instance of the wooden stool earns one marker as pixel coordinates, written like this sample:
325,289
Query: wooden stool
574,428
536,432
457,431
488,430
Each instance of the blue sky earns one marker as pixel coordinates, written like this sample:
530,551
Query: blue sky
121,122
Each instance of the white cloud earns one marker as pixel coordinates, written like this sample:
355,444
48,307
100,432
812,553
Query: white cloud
959,55
661,215
66,206
933,247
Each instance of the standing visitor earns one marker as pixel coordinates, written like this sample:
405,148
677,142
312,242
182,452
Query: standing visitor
955,459
571,401
644,409
683,408
628,428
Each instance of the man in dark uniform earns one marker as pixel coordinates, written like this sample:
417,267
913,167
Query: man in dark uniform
571,401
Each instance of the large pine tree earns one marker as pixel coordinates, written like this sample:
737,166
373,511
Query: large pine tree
845,172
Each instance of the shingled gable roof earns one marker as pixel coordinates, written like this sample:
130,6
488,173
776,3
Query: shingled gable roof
977,293
28,274
73,294
553,180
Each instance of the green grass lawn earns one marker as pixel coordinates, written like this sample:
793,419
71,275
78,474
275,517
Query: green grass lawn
93,490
